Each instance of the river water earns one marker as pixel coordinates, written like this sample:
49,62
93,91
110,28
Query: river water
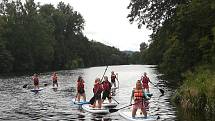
18,103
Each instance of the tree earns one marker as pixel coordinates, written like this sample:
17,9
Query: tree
143,46
153,12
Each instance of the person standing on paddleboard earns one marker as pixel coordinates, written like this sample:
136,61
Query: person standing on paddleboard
36,81
145,82
97,90
106,89
113,78
80,89
54,79
139,97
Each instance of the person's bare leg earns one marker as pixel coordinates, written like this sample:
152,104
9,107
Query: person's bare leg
99,103
78,97
144,112
134,112
84,97
147,90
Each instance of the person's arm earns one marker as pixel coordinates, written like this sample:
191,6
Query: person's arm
149,80
132,96
117,79
146,96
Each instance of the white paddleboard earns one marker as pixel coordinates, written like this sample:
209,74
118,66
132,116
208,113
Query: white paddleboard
102,110
81,102
106,104
128,115
36,90
54,87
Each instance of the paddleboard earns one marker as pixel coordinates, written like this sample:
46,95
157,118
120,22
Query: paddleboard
102,110
106,104
54,87
128,115
36,90
81,102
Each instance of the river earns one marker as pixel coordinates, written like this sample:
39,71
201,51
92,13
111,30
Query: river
18,103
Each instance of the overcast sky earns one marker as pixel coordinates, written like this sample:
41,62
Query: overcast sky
106,22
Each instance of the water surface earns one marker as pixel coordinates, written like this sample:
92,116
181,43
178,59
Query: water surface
18,103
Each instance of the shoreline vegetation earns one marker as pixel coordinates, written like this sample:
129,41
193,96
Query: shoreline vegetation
183,46
197,93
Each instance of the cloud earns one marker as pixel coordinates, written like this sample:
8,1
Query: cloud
106,22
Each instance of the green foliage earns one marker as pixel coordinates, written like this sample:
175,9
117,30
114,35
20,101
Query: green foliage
41,38
185,40
153,12
198,91
6,59
182,43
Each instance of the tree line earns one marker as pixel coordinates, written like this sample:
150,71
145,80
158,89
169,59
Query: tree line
183,33
36,37
183,47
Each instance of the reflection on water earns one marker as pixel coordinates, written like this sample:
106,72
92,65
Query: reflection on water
17,103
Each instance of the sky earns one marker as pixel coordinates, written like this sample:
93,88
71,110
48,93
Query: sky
106,22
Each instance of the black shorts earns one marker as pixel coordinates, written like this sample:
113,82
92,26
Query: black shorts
98,97
81,91
106,94
36,83
55,82
113,81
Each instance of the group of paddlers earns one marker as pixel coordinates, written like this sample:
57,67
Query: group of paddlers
101,90
36,80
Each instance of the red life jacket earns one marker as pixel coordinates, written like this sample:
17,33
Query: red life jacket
113,77
80,85
97,89
145,80
54,78
138,94
106,85
36,80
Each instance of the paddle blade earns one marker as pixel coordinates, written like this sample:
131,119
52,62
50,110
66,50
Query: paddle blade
25,85
162,91
112,110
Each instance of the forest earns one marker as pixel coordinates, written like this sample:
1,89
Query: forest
36,37
182,45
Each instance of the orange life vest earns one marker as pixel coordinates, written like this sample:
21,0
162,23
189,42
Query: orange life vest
138,94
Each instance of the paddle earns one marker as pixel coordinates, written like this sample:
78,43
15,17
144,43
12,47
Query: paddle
92,100
161,90
112,110
117,79
25,85
115,100
104,73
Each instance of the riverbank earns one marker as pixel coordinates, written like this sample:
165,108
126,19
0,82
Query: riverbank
197,93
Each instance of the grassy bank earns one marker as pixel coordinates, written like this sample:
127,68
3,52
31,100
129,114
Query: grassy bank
198,91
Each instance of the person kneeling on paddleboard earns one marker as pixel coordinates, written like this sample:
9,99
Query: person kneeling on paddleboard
139,97
106,89
80,89
36,81
97,90
54,79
